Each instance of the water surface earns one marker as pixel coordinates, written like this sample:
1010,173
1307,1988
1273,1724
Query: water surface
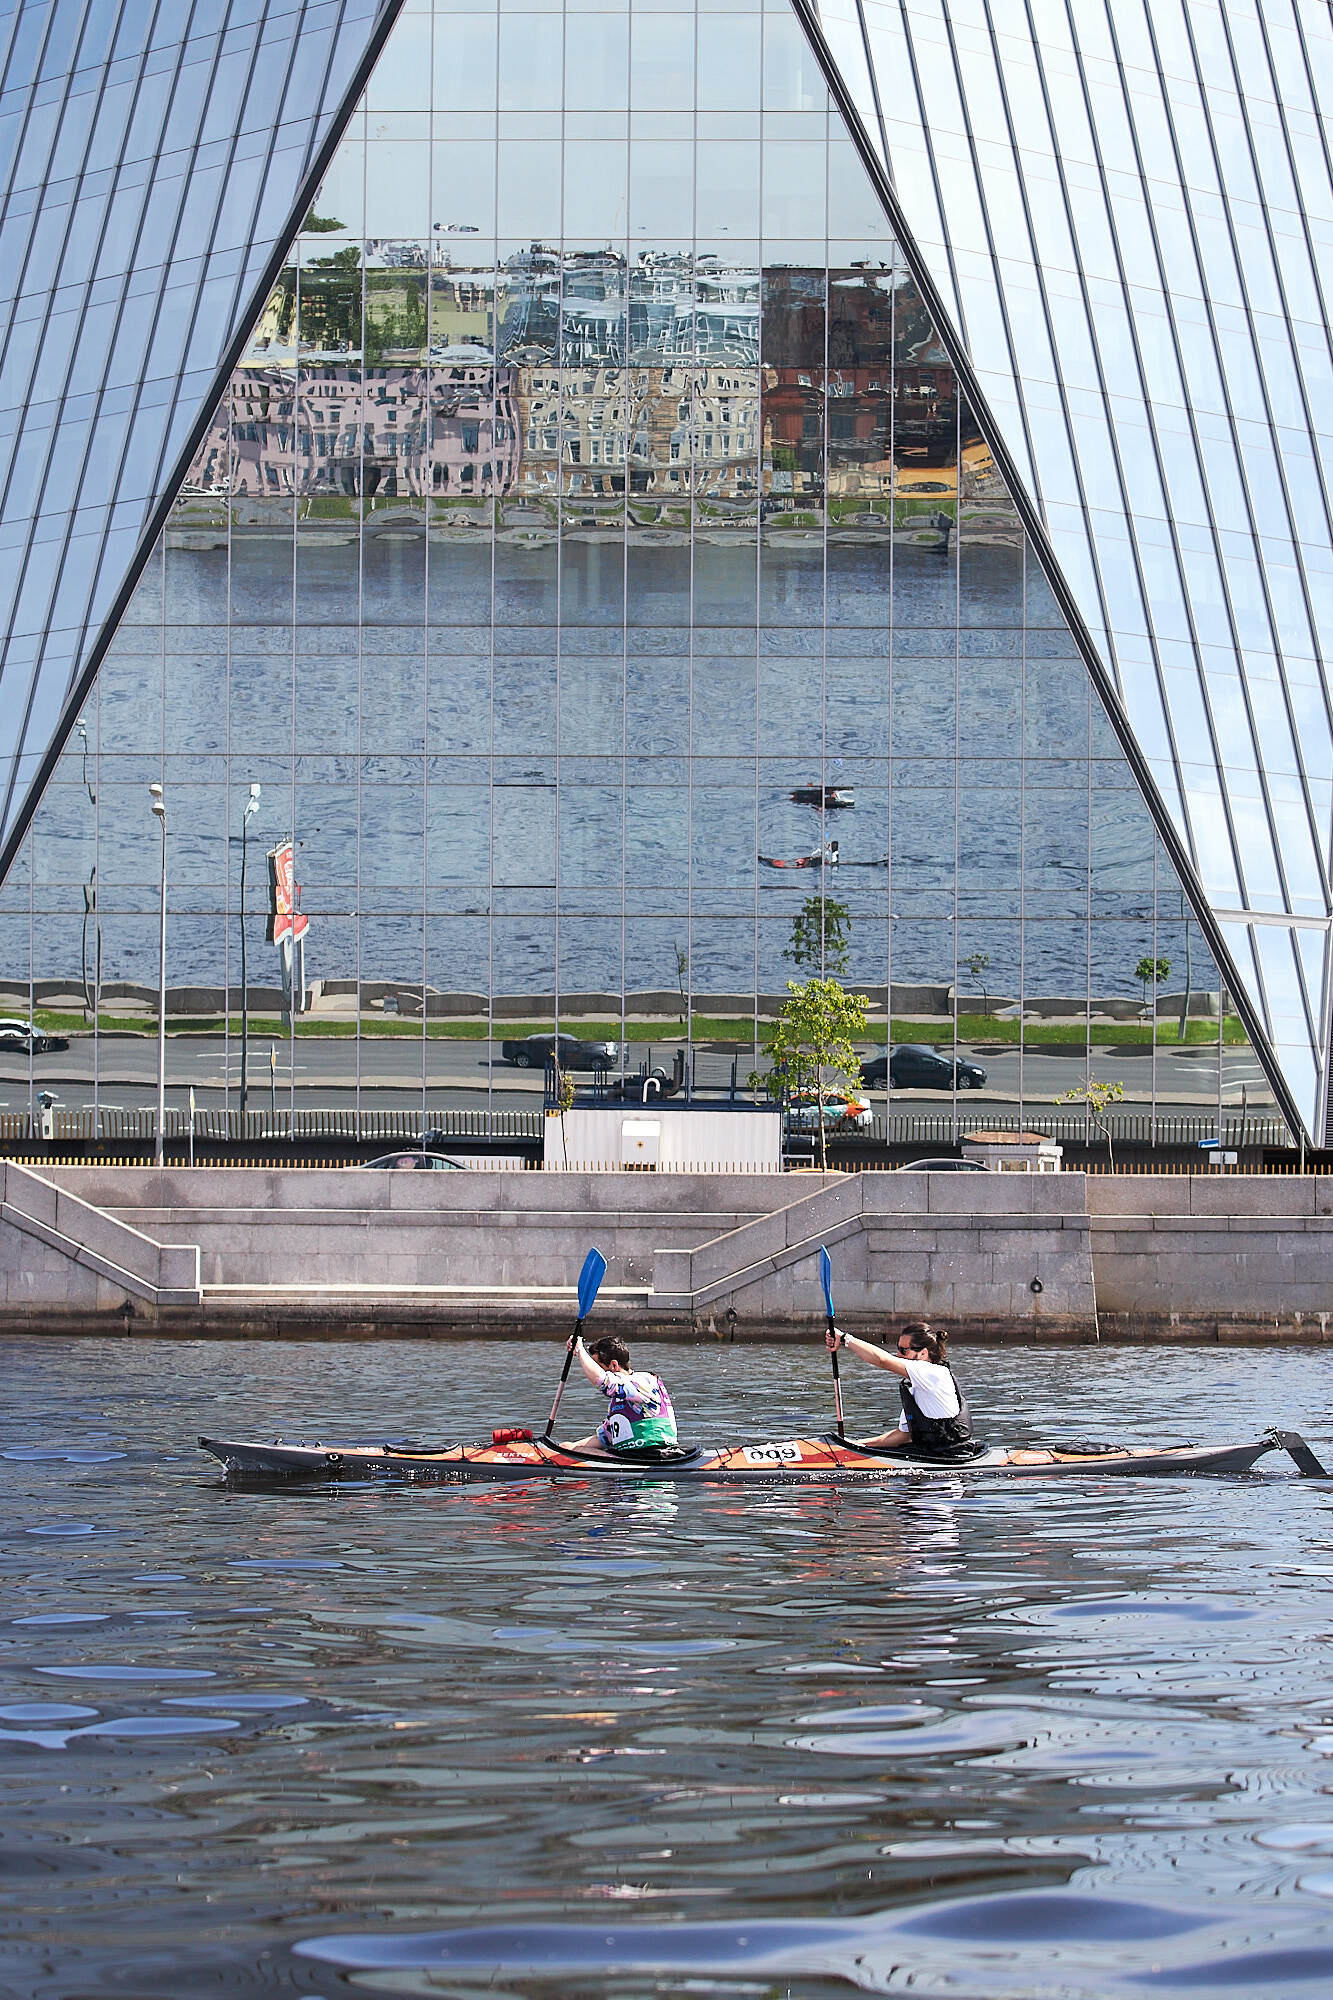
1052,1738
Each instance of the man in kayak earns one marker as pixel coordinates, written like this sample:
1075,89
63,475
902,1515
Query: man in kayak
640,1415
936,1422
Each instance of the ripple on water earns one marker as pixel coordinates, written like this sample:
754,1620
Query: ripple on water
44,1711
246,1702
1316,1885
108,1672
1022,1918
1315,1836
64,1618
1048,1916
1259,1970
161,1725
1199,1611
43,1454
999,1729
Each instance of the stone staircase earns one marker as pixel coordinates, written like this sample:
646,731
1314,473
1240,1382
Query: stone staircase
53,1242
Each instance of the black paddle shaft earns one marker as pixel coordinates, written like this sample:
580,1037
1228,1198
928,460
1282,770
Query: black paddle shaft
837,1384
564,1377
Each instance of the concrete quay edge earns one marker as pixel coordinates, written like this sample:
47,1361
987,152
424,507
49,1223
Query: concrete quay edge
1012,1257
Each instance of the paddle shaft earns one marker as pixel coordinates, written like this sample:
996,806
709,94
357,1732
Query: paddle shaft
564,1377
837,1384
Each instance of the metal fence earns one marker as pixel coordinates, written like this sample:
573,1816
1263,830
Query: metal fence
1140,1143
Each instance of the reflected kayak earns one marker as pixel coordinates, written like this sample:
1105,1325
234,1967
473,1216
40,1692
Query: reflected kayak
788,1461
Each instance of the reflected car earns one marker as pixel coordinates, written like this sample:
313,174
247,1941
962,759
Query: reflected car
535,1051
942,1167
914,1066
415,1159
836,1111
23,1038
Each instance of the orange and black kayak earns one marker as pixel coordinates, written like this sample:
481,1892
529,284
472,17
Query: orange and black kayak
516,1455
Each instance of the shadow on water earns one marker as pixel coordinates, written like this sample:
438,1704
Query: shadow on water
1069,1739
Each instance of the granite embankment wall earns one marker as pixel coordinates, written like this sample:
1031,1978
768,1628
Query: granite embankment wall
254,1252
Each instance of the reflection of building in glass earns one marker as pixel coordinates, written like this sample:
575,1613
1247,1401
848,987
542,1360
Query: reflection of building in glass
394,432
547,578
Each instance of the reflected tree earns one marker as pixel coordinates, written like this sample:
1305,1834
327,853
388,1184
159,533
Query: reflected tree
821,937
1151,971
977,965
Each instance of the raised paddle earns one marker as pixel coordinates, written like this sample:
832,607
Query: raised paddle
826,1279
590,1277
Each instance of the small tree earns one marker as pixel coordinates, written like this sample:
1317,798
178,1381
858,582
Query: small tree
682,967
814,1034
977,964
821,937
560,1099
1151,971
1096,1097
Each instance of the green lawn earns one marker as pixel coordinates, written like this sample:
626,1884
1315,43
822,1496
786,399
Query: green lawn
974,1030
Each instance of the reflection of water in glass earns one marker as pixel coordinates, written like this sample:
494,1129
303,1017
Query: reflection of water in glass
1021,1740
933,746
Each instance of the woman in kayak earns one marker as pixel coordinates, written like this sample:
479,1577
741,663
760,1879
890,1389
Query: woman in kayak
936,1422
640,1415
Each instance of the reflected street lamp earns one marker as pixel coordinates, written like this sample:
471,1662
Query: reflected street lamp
251,808
159,811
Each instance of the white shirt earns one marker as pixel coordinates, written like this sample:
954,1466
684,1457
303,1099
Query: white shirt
933,1388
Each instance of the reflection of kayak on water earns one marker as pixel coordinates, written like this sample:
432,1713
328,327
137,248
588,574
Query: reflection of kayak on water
830,797
822,857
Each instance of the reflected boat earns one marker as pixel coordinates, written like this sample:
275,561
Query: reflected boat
821,857
830,797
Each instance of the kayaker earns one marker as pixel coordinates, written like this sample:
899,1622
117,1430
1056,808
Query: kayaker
936,1422
640,1414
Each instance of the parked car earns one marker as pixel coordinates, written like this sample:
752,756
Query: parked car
949,1166
836,1111
535,1051
914,1066
415,1159
23,1038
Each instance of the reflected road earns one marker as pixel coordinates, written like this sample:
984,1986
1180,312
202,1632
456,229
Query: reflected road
314,1073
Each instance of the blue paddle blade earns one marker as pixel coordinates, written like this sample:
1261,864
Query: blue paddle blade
590,1277
826,1278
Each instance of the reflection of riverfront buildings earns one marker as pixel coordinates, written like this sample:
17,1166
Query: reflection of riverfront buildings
674,430
652,372
449,430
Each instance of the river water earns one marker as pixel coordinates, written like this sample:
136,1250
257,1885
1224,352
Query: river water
1059,1738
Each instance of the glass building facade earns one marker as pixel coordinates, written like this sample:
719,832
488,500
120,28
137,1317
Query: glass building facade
599,559
1125,210
152,151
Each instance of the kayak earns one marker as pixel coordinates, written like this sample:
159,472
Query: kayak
789,1461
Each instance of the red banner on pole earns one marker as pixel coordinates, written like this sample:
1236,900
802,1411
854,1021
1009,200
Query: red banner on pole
284,919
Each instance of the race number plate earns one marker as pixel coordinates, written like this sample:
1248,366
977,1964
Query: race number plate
771,1454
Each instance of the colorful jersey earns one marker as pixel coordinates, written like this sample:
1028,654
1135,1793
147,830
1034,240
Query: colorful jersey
640,1412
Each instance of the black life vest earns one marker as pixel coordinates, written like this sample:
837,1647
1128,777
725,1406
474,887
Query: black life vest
942,1438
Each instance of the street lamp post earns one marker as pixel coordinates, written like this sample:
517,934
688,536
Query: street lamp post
160,815
251,808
